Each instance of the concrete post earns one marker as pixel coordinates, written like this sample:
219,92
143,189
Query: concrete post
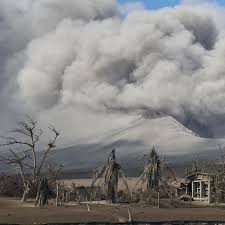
200,190
209,192
57,194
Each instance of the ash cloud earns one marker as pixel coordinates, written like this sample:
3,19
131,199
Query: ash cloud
87,68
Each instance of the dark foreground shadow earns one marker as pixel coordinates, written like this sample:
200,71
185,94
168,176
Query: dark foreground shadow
136,223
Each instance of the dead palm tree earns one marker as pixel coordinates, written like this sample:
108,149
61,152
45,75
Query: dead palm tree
108,177
151,174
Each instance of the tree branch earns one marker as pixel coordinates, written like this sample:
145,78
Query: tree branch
51,145
14,141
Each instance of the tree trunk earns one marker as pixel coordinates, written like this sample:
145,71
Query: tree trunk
113,196
190,200
158,199
24,196
25,192
57,195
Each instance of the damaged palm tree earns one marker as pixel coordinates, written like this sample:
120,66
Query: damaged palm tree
108,177
151,174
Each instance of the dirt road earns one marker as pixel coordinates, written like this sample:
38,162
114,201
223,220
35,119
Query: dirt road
12,211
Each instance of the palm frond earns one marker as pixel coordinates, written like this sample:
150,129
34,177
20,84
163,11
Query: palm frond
151,174
109,175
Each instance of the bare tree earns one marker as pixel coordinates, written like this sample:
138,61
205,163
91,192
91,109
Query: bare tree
42,193
25,140
218,172
54,171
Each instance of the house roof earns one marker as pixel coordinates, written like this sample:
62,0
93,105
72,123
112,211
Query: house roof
178,182
199,173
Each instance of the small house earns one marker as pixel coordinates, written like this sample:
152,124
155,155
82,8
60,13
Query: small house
201,185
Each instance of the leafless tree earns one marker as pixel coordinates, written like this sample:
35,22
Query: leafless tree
25,139
42,193
218,172
53,171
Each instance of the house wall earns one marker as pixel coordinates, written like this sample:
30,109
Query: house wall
201,187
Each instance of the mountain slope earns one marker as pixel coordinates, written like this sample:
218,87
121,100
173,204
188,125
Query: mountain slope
170,138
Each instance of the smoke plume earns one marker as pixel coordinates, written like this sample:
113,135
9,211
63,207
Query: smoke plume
92,66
